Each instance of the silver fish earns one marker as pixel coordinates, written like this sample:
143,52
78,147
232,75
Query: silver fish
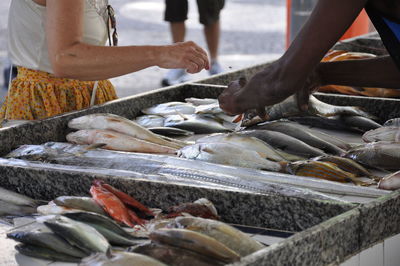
114,233
117,141
212,108
119,124
46,239
170,108
44,253
7,208
120,259
81,203
175,256
224,233
196,242
382,134
390,182
170,131
195,123
150,121
78,234
245,142
284,142
394,122
16,198
291,129
289,107
228,154
361,123
379,154
203,101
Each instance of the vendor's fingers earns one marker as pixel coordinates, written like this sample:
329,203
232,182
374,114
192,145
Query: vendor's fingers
192,67
262,113
303,97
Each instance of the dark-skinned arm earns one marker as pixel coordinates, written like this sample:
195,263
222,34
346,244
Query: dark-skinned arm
379,72
295,70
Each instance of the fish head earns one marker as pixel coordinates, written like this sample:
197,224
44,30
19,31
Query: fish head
98,121
80,137
395,122
190,152
382,134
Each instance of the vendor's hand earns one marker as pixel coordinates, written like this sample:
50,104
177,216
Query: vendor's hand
186,55
266,88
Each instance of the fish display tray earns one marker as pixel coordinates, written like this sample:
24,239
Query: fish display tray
327,232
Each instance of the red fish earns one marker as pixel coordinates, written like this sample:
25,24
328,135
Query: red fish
125,198
111,204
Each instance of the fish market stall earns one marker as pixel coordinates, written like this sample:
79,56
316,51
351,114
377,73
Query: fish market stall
312,215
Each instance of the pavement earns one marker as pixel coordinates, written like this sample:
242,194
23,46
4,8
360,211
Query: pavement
253,31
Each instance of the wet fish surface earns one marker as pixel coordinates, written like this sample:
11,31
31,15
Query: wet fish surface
119,124
116,141
284,142
394,122
82,203
78,234
228,154
114,233
382,134
46,239
291,129
224,233
196,242
170,131
379,154
44,253
175,256
120,259
246,142
170,108
195,123
390,182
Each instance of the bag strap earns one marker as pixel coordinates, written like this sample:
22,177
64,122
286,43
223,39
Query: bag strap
93,98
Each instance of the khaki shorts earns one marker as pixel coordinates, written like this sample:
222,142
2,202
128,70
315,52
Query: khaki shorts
209,10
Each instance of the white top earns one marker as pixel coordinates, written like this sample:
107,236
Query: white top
27,44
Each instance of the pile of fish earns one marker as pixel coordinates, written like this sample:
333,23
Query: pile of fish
195,116
91,231
381,151
281,145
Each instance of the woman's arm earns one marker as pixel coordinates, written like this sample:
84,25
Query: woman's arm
327,23
71,58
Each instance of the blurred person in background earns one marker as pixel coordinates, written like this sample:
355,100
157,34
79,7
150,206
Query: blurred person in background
300,71
59,48
176,12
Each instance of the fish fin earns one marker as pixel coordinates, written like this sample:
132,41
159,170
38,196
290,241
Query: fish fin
109,253
181,115
95,146
238,118
263,155
206,149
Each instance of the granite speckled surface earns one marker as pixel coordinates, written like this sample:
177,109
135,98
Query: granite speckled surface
272,211
380,219
327,243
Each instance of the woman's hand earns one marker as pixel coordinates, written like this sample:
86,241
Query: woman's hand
186,55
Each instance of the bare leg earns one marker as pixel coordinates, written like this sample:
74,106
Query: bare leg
178,31
212,32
